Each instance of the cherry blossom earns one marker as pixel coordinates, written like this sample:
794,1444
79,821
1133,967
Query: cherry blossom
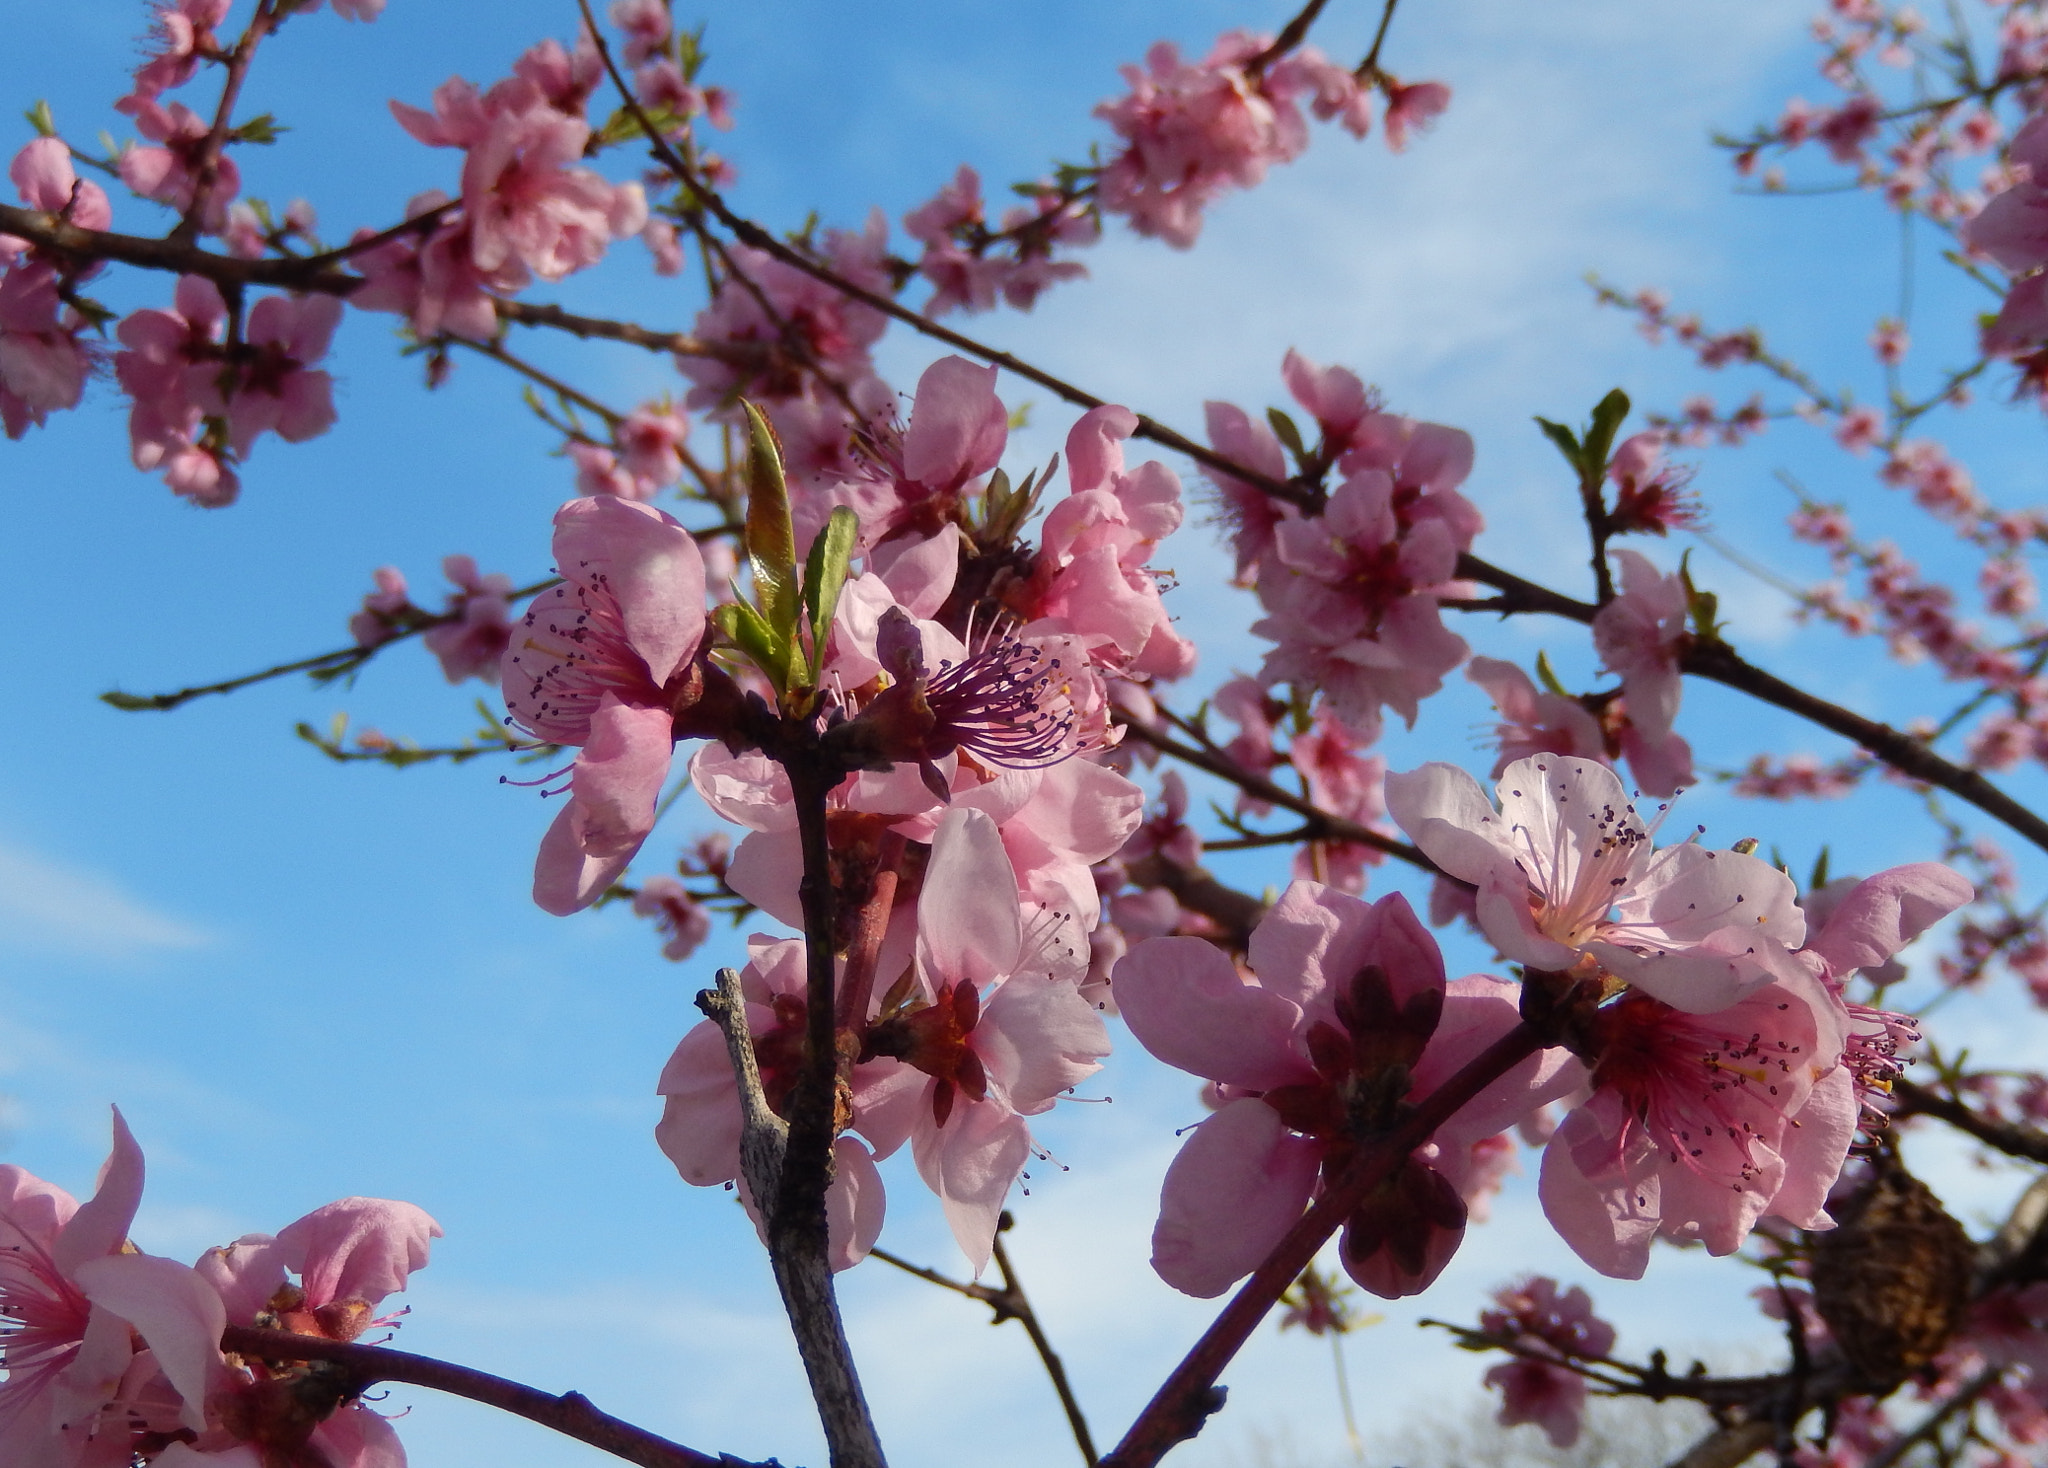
1349,1002
1002,1033
1568,881
605,662
1700,1124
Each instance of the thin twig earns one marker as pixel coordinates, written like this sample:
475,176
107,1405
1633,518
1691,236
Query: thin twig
1326,826
1020,1306
330,664
1291,35
570,1414
1964,1397
206,169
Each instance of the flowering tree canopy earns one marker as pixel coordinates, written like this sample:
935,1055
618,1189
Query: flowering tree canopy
994,705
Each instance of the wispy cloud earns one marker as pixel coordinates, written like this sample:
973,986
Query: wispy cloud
45,904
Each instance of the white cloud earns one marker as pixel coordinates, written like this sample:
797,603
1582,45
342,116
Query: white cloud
45,904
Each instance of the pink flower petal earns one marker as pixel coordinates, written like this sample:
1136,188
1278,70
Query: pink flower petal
1236,1187
1186,1004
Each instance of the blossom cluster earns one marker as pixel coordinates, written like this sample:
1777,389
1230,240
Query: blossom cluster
114,1355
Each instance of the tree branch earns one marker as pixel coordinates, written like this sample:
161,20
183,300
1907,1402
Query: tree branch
326,665
1719,663
570,1414
1325,826
2008,1137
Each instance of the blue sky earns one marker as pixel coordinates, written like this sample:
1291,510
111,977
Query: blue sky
303,981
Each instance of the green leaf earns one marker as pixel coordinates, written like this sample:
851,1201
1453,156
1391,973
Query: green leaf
262,128
1608,416
825,575
1287,433
1020,416
1820,872
744,629
1702,606
771,543
128,702
42,119
1547,675
1567,442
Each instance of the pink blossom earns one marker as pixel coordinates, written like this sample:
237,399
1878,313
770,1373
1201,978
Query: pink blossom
168,174
650,445
682,920
605,662
1567,880
526,208
1346,994
1534,722
911,479
1091,579
348,1256
43,173
435,284
665,245
1640,634
1004,1031
274,389
1846,129
646,25
1545,1329
1351,597
182,33
43,364
167,357
1249,511
1700,1124
107,1347
1649,494
472,645
383,609
1860,429
1415,106
1336,398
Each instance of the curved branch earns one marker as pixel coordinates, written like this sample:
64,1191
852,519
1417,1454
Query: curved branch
64,238
1719,663
570,1414
324,666
2008,1137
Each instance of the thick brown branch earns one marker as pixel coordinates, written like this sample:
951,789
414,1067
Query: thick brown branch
66,239
1235,912
2011,1138
570,1414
